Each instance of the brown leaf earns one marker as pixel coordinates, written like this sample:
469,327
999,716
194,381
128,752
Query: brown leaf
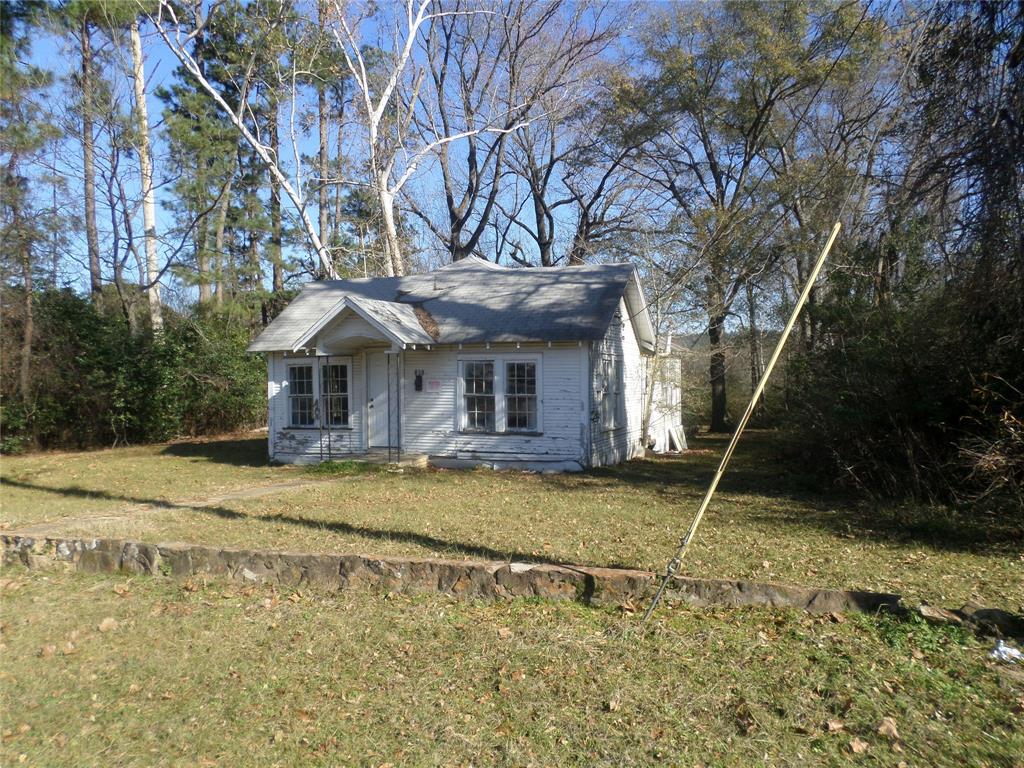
47,651
834,726
858,746
121,590
294,597
888,728
613,704
504,633
109,624
68,649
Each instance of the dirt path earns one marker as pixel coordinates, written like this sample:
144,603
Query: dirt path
49,527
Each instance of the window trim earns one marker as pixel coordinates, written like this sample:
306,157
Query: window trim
317,363
325,411
311,396
611,414
500,360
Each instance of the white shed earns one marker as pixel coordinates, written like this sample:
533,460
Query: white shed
473,363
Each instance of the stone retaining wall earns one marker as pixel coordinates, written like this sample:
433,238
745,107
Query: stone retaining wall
469,578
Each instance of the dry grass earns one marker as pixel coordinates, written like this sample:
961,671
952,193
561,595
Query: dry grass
212,674
768,522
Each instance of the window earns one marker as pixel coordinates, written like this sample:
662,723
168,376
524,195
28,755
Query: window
521,397
478,382
611,385
500,395
300,395
334,389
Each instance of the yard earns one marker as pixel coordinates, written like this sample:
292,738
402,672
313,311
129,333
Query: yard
767,523
146,671
143,671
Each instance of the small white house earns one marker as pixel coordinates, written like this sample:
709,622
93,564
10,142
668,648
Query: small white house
473,363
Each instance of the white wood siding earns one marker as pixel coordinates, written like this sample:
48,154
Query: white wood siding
625,440
291,445
429,423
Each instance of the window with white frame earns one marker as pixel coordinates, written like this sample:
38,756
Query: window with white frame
334,393
300,396
520,396
478,396
499,395
612,399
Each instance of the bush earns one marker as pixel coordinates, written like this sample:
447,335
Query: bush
920,396
94,382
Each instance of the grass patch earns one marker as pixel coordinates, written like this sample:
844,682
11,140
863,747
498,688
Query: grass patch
768,522
343,468
213,673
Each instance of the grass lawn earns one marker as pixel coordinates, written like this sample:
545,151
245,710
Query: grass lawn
105,670
767,522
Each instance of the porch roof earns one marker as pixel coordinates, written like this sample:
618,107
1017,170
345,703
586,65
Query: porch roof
396,322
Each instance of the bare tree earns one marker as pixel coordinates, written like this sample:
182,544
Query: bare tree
522,64
152,285
177,37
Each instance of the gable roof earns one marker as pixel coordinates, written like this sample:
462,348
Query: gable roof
397,322
470,301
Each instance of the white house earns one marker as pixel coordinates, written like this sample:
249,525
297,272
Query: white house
473,363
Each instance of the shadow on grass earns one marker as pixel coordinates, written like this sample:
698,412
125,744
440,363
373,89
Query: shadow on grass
451,548
249,452
762,472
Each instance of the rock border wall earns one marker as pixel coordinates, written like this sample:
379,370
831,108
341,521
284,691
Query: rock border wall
411,575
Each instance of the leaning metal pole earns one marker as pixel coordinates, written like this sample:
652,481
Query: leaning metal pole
684,543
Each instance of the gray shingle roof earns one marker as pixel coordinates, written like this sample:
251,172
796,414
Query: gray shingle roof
474,301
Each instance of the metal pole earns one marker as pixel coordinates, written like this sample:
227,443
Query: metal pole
684,543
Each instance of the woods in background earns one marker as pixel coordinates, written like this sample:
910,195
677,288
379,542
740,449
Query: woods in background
190,164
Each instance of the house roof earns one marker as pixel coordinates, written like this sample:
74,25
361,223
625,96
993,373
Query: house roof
470,301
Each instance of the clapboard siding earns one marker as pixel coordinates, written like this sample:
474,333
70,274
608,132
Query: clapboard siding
625,440
429,423
299,445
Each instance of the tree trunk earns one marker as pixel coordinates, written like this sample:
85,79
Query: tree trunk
156,320
203,264
392,249
88,164
754,341
218,240
274,251
23,247
323,123
716,330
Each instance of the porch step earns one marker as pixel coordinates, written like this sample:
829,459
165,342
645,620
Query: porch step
380,456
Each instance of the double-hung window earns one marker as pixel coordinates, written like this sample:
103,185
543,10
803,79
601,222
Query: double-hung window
300,396
520,396
499,395
478,385
612,392
334,392
319,395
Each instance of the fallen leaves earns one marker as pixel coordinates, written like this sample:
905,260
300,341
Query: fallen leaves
109,624
121,590
834,726
504,633
858,746
887,728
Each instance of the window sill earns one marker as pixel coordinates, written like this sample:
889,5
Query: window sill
507,433
320,429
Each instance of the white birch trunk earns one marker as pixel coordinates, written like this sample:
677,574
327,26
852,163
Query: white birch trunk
146,170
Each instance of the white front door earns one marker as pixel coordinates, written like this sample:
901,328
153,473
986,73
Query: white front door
381,399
